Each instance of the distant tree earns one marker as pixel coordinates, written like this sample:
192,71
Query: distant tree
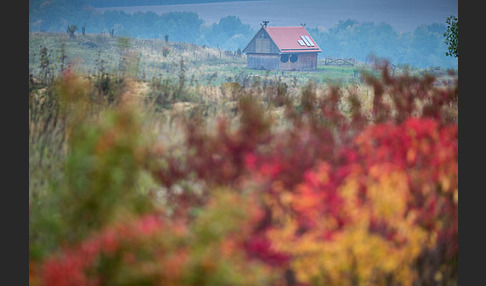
232,25
229,33
451,36
83,29
70,30
181,26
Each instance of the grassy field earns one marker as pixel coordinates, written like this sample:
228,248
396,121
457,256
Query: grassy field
189,74
208,65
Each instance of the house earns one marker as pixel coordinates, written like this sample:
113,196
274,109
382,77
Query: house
282,48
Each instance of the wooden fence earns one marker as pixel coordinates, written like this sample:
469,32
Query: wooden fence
339,62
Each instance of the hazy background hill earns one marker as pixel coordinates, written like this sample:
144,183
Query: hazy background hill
405,32
403,16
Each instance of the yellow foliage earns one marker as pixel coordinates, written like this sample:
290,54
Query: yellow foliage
355,254
388,194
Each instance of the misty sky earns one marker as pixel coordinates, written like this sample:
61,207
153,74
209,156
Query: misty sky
402,15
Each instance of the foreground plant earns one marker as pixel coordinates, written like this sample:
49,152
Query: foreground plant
367,197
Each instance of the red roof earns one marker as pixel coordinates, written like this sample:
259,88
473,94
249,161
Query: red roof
287,39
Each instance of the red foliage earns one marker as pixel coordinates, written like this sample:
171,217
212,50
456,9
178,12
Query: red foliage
72,266
259,247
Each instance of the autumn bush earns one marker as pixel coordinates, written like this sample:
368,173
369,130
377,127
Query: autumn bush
341,194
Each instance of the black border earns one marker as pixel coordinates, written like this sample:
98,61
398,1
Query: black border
14,124
472,144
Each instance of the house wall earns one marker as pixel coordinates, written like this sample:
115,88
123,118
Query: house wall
307,61
262,43
263,61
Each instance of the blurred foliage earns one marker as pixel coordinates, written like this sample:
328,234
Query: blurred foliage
351,189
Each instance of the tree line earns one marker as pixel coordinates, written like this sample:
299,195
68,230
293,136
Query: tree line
424,47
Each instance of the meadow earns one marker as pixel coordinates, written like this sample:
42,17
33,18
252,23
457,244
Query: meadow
189,169
87,52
